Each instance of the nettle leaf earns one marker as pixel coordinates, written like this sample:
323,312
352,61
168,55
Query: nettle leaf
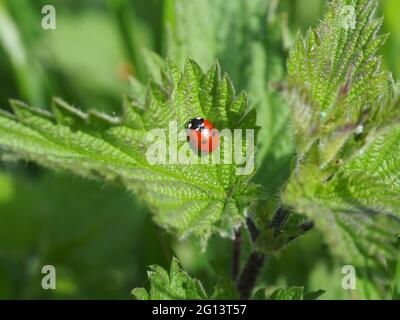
175,285
186,199
292,293
178,285
313,295
358,210
248,39
335,78
346,177
289,293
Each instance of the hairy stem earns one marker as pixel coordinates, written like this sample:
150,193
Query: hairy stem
250,274
305,227
252,229
279,220
257,259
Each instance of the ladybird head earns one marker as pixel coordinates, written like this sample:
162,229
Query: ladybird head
195,124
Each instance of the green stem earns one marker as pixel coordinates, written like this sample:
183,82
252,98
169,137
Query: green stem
256,261
28,84
169,22
126,22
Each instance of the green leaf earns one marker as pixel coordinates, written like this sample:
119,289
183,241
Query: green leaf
314,295
346,177
335,78
225,290
358,210
140,294
292,293
247,38
175,285
186,199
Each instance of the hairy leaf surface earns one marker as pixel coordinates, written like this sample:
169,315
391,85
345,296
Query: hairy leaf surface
186,199
347,173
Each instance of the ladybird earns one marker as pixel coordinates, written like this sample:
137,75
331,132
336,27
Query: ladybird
202,135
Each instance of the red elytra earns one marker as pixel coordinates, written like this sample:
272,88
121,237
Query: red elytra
202,135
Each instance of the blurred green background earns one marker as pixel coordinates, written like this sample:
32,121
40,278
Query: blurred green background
99,237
